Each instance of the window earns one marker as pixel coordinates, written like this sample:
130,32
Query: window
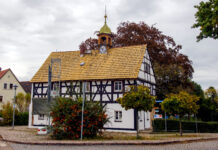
147,67
1,99
87,87
41,117
11,86
5,85
118,116
117,86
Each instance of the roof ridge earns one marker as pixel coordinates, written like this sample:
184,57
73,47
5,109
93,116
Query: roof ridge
97,49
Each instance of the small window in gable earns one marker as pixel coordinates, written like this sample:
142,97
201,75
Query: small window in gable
118,116
5,85
147,67
41,117
1,99
118,86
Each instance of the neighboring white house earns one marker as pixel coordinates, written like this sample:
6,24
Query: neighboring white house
7,81
108,72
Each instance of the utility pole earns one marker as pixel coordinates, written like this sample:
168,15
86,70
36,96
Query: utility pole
15,88
50,75
49,89
81,134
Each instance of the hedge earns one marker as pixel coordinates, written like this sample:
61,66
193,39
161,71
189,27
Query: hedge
20,119
187,126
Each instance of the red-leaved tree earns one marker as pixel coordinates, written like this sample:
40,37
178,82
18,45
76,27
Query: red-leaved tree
173,70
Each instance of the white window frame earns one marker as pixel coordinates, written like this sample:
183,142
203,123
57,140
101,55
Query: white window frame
118,116
41,117
118,86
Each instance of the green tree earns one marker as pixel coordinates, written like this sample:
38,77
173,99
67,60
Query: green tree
211,93
27,101
20,101
180,104
207,19
23,101
212,103
170,78
7,113
138,98
197,90
204,110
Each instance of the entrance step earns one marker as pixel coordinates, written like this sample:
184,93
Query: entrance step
146,131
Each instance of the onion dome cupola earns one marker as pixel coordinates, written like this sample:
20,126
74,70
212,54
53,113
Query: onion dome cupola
104,37
105,29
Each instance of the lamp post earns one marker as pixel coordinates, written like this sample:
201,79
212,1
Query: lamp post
15,88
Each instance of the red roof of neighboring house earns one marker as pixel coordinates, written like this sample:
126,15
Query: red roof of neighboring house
26,86
3,72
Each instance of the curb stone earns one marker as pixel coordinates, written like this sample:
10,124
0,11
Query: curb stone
85,143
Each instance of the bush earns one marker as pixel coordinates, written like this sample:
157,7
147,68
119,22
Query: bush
21,118
7,113
0,113
187,126
66,123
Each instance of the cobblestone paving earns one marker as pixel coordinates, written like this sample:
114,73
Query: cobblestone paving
208,145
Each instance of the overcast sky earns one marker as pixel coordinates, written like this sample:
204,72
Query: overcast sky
31,29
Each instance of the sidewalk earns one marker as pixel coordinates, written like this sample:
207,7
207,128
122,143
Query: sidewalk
24,135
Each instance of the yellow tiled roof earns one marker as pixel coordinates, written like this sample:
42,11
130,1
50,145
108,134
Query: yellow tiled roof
118,63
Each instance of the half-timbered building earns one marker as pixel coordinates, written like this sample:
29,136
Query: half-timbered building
108,72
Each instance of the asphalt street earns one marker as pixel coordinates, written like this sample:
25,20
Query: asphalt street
208,145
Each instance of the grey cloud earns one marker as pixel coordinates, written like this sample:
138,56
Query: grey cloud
31,29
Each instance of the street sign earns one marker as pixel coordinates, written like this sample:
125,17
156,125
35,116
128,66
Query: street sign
54,93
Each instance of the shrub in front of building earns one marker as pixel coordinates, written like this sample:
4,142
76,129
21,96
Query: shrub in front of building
187,126
66,119
21,118
7,113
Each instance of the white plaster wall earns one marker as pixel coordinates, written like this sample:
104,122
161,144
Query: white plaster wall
45,121
8,94
143,75
127,117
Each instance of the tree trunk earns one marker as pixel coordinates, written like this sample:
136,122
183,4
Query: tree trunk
180,126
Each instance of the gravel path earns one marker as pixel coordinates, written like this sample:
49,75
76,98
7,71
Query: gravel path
209,145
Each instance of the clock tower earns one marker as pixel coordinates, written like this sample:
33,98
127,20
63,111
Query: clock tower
104,37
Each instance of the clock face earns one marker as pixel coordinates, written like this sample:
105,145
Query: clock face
103,49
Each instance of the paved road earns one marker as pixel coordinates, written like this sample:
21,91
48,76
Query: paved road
209,145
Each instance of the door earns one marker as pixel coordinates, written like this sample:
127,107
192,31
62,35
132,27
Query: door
141,120
147,120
